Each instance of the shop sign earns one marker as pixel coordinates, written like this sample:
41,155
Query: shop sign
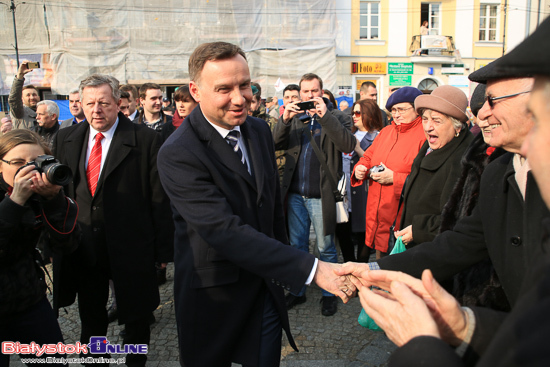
368,68
400,68
400,80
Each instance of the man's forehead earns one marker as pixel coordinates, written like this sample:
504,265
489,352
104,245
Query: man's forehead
153,93
310,84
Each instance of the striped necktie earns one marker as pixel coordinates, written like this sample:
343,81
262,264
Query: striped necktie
233,140
94,164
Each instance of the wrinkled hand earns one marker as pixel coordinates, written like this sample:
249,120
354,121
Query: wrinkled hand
406,234
451,320
403,315
357,271
326,278
360,172
383,178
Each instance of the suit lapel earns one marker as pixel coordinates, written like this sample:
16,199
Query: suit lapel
252,141
218,145
73,146
124,140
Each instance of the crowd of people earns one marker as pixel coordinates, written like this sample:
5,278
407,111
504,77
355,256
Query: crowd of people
227,189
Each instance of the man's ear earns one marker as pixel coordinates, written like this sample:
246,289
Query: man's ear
195,91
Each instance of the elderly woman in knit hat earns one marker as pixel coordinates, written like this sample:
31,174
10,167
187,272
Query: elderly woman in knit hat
436,168
386,164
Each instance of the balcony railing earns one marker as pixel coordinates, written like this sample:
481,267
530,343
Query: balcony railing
432,48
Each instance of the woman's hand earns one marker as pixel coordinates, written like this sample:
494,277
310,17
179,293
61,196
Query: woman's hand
360,172
406,234
22,185
43,187
385,177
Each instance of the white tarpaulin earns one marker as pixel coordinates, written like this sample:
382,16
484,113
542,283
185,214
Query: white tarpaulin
152,40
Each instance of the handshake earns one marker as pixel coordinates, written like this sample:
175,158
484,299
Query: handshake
404,306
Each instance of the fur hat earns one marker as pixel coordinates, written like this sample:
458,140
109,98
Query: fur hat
445,99
528,59
405,94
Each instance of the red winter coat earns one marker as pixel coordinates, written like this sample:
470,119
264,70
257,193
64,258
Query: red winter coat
396,146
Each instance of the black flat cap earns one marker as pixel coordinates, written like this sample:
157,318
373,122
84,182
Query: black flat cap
529,58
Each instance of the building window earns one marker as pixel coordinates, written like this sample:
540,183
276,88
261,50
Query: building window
488,20
369,20
432,13
427,85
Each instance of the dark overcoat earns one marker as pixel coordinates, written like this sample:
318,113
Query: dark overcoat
429,186
132,210
510,339
502,226
231,245
336,138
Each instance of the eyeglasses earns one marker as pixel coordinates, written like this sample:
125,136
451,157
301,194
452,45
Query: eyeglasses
357,113
15,162
491,100
400,110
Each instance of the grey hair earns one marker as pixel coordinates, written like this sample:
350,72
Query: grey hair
457,125
95,80
74,91
51,107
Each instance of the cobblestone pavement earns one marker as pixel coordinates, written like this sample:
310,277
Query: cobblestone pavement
335,341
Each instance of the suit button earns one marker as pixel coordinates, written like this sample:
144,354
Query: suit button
260,204
278,283
295,153
94,207
353,192
96,229
273,281
516,241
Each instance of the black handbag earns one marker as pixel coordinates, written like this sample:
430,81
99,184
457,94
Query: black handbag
392,239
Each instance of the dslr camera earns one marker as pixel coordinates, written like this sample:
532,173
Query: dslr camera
56,173
376,169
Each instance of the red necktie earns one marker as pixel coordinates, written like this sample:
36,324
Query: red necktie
94,164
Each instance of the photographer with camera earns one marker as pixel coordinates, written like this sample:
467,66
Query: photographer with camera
33,209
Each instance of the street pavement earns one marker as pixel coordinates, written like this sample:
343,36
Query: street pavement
334,341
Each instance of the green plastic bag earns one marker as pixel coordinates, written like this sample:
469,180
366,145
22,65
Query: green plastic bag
399,246
364,319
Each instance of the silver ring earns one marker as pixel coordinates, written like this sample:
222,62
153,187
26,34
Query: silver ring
30,179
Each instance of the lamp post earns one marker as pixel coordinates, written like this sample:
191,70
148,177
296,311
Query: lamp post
12,9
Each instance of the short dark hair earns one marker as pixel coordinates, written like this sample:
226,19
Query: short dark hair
183,94
211,52
291,87
370,114
365,86
145,87
311,76
130,89
124,94
331,98
30,86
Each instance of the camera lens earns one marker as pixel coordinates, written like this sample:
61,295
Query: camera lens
58,174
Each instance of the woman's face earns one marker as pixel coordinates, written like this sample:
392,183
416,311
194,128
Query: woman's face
403,113
357,118
185,107
18,156
438,128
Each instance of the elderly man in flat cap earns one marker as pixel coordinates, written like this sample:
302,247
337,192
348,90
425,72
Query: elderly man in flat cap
505,225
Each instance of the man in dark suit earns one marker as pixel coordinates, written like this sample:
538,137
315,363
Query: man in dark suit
75,106
124,216
232,260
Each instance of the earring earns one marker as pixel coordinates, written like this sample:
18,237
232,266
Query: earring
457,133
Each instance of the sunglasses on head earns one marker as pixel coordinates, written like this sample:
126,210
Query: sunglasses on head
491,100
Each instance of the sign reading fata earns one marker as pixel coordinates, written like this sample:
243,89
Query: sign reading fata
368,68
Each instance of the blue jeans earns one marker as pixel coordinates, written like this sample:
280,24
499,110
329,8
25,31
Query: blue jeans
302,212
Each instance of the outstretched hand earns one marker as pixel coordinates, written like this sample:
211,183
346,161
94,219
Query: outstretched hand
327,278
